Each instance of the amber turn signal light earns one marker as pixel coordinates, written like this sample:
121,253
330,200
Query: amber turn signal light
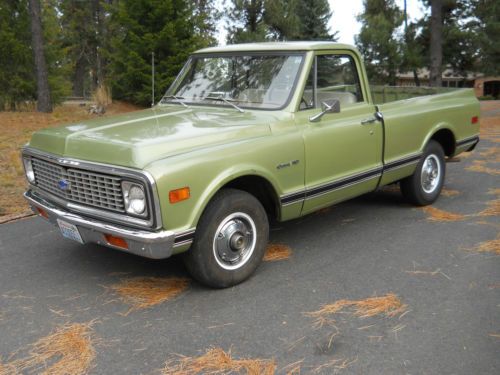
42,213
116,241
179,195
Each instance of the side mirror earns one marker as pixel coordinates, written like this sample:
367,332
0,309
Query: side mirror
328,106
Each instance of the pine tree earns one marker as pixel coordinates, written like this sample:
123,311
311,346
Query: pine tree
17,81
282,18
488,14
247,22
139,27
44,103
378,40
460,38
314,16
436,46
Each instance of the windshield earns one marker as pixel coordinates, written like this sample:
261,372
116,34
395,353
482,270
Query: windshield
248,81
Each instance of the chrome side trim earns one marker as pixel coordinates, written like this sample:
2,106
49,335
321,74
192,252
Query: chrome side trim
302,195
466,141
184,238
153,222
328,187
403,162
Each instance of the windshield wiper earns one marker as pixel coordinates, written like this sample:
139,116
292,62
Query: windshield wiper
178,98
220,97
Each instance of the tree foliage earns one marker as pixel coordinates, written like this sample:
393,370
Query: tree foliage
260,20
17,81
488,31
378,40
171,29
90,43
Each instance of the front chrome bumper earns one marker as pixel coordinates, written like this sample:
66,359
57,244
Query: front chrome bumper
155,245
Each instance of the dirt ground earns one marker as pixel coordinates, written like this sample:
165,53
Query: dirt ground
16,129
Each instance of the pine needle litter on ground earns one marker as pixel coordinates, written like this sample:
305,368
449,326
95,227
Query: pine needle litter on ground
479,166
436,214
430,273
145,292
492,154
494,191
449,192
492,246
389,305
217,361
493,209
277,251
335,364
69,350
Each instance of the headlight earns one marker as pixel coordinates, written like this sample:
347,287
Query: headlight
134,198
28,168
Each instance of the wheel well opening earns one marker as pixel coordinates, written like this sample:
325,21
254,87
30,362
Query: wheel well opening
261,189
446,139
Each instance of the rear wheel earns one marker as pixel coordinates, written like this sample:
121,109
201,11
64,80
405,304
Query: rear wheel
424,186
230,240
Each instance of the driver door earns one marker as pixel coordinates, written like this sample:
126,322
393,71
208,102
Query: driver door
343,151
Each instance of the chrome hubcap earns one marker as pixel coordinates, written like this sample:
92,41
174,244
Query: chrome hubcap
431,174
234,241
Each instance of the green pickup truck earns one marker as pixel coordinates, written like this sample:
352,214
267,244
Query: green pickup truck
246,134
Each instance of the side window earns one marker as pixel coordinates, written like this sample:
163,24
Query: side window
307,100
337,78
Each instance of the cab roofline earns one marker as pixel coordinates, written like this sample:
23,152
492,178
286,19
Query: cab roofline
277,46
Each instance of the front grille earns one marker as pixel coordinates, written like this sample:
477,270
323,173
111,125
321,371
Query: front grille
84,187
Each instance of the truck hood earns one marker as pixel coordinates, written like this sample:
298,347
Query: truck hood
136,139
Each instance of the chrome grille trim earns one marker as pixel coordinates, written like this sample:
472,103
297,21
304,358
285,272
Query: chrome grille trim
153,222
93,189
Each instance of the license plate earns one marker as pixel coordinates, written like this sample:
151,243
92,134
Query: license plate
69,231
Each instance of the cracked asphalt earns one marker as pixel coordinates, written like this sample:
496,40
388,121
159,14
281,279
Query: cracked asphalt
370,246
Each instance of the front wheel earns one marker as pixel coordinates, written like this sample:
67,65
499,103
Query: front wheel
230,240
424,186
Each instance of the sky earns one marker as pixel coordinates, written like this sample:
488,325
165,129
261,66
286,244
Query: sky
345,12
344,18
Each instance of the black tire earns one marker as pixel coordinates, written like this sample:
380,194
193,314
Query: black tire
421,188
230,240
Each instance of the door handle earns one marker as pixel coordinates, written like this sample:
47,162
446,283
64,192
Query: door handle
367,121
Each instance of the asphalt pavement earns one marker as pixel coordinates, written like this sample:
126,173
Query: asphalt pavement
370,246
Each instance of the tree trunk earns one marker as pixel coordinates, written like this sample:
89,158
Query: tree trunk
97,13
436,43
44,104
416,78
79,76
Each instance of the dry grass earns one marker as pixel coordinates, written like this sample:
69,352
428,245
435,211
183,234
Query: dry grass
67,351
436,214
449,192
102,96
480,166
217,361
17,128
277,251
145,292
389,305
